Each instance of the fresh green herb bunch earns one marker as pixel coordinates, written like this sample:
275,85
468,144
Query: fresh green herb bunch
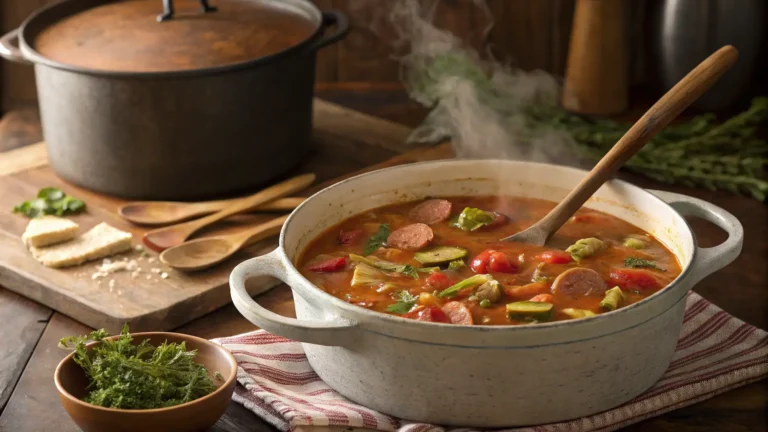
142,376
700,152
50,201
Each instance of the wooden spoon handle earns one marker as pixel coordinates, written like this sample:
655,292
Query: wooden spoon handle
262,231
282,189
677,99
280,204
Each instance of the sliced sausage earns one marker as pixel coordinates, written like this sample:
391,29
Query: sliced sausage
458,313
577,282
431,211
498,220
411,237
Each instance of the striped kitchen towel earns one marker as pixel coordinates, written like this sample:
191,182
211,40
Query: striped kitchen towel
715,353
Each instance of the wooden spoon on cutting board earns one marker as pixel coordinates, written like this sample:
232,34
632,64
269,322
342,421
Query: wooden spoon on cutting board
678,98
164,238
205,252
169,212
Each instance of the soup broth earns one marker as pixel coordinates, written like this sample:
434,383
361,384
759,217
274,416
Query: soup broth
441,260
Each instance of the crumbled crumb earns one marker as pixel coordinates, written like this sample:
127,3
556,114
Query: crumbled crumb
125,258
149,277
151,260
134,274
119,292
138,248
164,275
106,261
98,275
111,283
155,270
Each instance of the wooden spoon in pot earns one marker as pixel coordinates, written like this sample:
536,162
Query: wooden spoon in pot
169,212
678,98
205,252
164,238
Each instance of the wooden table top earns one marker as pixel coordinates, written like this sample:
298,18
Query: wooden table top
29,331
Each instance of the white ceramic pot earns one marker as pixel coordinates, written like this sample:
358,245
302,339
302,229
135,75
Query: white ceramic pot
486,376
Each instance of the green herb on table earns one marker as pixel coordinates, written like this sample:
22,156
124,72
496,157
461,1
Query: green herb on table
50,201
633,262
470,219
701,152
138,376
377,240
405,302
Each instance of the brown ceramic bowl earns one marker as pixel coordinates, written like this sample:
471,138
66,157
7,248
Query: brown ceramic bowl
197,415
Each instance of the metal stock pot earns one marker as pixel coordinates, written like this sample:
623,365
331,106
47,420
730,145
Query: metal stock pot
487,376
155,100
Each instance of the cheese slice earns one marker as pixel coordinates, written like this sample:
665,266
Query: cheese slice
101,241
48,230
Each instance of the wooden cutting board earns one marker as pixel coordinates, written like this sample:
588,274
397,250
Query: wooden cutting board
147,301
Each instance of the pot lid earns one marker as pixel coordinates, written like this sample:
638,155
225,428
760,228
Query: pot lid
132,36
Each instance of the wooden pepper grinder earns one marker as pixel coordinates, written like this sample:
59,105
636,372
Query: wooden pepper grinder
597,74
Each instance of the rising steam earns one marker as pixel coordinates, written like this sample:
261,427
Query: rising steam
477,103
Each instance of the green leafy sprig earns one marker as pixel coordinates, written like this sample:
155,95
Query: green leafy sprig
138,376
50,201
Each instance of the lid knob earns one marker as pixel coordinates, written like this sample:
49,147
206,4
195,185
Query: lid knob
168,9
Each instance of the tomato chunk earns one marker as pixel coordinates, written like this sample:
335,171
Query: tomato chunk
329,265
428,314
498,262
547,298
555,257
439,280
350,237
632,280
480,262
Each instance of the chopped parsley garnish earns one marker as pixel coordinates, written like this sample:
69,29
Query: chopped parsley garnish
377,240
405,302
50,201
456,264
633,262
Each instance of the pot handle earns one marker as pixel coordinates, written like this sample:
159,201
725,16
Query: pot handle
9,48
708,260
331,18
333,331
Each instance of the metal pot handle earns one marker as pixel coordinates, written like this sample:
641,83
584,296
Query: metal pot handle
333,331
708,260
331,18
9,48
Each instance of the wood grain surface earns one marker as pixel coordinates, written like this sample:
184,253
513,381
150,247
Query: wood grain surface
147,301
740,289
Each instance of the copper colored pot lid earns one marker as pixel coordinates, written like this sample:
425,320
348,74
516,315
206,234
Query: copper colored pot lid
126,35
